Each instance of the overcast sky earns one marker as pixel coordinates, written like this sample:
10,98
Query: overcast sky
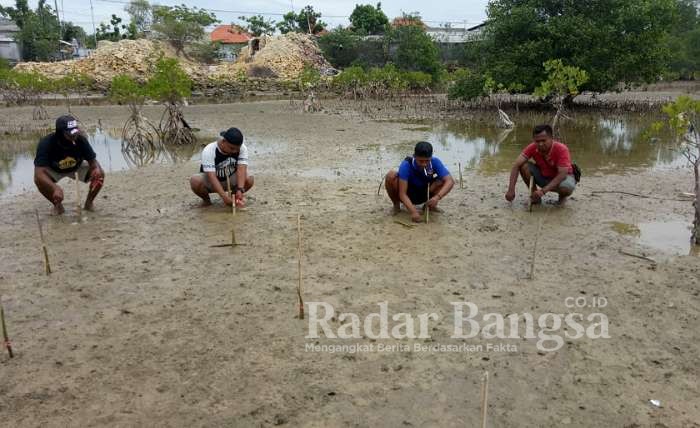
335,12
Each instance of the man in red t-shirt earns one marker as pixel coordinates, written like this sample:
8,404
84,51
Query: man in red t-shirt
551,169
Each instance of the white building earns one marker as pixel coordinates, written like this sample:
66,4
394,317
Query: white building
9,48
455,34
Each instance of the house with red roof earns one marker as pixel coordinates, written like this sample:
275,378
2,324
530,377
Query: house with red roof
231,39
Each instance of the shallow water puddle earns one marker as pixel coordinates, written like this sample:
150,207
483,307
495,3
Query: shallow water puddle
670,237
599,144
17,158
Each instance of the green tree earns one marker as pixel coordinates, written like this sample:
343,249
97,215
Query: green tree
115,30
415,50
306,21
616,41
141,16
138,133
340,47
181,25
169,83
39,32
125,90
257,25
684,124
171,86
69,31
561,86
368,19
684,41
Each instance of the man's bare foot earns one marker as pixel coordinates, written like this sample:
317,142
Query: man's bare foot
89,206
562,200
436,209
205,203
397,209
58,209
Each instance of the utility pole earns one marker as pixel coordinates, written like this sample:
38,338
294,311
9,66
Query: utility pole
94,33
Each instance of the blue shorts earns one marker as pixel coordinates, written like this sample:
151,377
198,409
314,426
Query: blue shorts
569,183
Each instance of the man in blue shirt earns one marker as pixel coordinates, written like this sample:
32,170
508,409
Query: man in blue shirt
409,186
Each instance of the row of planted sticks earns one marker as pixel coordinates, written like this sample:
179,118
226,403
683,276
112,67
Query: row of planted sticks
234,243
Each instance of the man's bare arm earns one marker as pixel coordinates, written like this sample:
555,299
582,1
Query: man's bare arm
515,172
217,187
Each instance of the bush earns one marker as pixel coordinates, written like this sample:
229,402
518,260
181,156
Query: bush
467,85
309,78
126,90
340,47
417,80
351,78
19,87
205,52
169,84
380,81
415,51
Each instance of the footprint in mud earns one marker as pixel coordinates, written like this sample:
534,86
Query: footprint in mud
489,225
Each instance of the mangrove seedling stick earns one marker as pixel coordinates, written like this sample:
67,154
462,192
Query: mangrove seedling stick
484,398
77,197
461,182
427,208
233,211
47,265
301,301
5,338
532,189
404,224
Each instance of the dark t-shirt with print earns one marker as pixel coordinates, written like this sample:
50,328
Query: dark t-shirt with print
62,155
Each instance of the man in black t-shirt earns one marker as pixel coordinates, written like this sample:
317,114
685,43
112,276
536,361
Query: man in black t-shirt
62,154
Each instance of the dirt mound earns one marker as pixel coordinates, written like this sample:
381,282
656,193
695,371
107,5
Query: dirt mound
136,58
283,57
279,57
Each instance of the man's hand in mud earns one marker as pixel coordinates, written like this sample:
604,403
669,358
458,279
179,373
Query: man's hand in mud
432,202
240,199
57,196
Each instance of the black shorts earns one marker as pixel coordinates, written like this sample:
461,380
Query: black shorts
417,195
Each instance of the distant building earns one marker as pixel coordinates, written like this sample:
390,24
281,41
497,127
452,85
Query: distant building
404,21
456,35
231,39
9,48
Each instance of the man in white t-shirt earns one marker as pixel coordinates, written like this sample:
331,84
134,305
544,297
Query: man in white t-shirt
222,160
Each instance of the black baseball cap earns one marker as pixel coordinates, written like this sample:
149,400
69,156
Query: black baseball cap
233,136
67,123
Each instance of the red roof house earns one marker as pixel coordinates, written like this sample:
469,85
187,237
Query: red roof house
230,35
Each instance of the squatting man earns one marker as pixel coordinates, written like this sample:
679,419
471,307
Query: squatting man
409,185
62,154
224,164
